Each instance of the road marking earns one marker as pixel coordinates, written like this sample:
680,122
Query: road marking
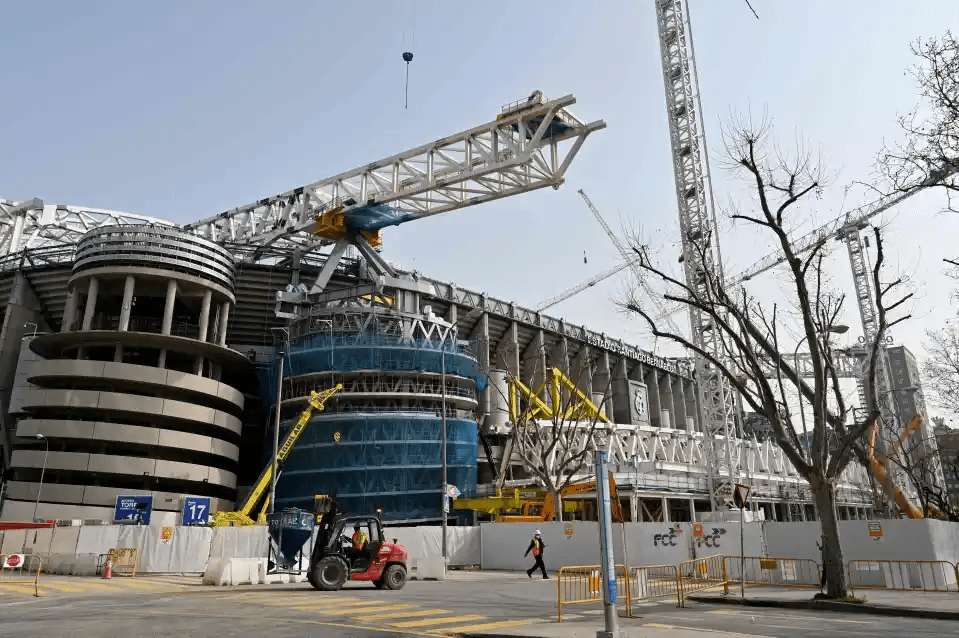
407,614
65,588
353,612
438,621
702,629
492,625
25,589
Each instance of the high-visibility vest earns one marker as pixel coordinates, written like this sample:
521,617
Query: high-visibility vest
536,546
358,539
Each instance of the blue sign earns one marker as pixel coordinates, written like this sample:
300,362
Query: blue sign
134,508
196,510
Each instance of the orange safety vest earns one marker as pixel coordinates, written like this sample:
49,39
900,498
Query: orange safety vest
358,539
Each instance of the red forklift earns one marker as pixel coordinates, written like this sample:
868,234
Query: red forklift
334,561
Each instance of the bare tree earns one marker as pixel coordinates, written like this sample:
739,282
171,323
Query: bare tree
940,368
554,426
753,340
930,153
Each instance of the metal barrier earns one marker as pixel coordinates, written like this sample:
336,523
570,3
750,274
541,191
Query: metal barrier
584,584
124,561
775,571
700,574
906,575
654,581
21,569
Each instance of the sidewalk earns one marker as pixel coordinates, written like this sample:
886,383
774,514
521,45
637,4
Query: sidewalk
884,602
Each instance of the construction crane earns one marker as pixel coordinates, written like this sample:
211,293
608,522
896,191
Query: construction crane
528,146
244,516
697,224
580,287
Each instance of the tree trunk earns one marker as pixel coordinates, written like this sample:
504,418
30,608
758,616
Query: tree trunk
558,504
824,493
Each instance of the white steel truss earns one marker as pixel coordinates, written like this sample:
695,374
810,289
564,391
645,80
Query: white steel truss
528,146
696,214
33,224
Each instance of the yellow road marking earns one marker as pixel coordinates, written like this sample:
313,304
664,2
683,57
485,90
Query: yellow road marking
355,611
319,603
26,589
492,625
450,620
407,614
65,588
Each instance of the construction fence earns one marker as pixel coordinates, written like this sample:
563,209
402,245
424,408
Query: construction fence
904,575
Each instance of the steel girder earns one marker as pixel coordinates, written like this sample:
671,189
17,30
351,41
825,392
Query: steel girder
529,146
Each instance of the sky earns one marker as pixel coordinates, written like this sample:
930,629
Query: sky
180,110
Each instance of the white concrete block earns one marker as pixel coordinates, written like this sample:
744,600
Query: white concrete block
432,568
235,571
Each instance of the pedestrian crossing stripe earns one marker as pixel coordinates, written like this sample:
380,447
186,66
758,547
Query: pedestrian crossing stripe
346,602
437,621
407,614
355,612
26,589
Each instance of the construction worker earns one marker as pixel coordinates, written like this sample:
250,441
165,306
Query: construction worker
536,546
358,543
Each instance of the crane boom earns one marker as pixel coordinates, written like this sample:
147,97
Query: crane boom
580,287
856,218
528,146
243,515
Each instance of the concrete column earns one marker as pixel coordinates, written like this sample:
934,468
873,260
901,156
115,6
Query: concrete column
635,508
480,336
205,314
224,315
602,383
128,289
620,393
93,290
692,510
168,307
679,403
69,312
665,510
655,403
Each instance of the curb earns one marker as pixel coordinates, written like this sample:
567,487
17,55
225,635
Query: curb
816,605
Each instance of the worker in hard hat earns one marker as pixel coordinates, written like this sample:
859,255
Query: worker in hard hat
358,544
536,546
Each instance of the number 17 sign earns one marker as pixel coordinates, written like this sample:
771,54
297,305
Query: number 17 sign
196,510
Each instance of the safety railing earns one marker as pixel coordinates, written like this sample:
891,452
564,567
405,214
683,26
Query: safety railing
124,561
774,571
654,581
906,575
23,569
584,584
702,573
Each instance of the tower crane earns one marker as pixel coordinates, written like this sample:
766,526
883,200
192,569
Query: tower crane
580,287
697,222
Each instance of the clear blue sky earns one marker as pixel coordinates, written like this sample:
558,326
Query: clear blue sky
181,110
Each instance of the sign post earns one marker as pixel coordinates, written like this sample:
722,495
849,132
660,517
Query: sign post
605,519
740,497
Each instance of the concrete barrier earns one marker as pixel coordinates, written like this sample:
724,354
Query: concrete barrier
235,571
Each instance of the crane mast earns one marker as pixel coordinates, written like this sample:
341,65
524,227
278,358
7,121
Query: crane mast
694,196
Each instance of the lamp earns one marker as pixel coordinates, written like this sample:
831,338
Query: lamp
472,314
42,470
283,336
839,329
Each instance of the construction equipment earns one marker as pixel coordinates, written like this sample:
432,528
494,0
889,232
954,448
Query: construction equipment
536,511
879,460
333,562
582,408
243,515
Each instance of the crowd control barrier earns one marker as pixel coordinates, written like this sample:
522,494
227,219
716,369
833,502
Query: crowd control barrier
774,571
124,561
905,575
654,581
584,584
702,573
21,569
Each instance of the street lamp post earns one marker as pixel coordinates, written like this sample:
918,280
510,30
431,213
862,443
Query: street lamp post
42,471
284,336
472,314
840,329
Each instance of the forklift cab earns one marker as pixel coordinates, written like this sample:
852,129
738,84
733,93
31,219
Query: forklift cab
359,560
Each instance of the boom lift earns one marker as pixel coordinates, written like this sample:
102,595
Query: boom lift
535,509
878,462
243,515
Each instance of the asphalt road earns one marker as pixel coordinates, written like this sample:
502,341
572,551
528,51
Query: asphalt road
465,602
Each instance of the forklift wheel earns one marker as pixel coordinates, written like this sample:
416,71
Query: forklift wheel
330,573
394,577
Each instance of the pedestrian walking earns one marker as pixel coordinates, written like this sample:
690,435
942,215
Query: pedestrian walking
536,546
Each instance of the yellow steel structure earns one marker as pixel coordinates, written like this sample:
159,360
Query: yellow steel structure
580,407
905,505
243,515
331,224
